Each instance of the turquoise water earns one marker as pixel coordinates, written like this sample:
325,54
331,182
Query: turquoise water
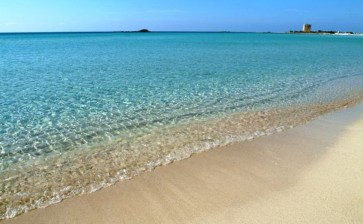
75,106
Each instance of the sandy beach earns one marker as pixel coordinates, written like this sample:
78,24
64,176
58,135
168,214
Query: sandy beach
308,174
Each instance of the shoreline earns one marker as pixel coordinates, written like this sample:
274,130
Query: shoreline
241,182
73,176
81,131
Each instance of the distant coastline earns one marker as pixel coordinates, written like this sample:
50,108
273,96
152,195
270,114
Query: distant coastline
307,30
322,32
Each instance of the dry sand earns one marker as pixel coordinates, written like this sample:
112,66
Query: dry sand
309,174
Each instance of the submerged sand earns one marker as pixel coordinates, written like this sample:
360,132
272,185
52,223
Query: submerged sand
309,174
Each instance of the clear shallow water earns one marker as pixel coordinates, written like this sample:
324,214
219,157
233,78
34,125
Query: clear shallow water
81,111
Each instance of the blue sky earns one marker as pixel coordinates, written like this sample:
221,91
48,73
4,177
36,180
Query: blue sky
181,15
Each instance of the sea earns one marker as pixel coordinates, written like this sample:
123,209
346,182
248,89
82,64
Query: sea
82,111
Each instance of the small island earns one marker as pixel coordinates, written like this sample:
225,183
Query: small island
144,31
138,31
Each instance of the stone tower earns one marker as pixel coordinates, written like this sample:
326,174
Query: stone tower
306,28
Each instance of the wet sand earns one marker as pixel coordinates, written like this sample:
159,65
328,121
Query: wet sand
309,174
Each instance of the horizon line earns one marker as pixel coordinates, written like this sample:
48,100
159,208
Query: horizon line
136,31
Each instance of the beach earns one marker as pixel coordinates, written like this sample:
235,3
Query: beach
309,174
83,111
177,112
135,120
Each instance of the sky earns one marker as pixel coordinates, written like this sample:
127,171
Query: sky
179,15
